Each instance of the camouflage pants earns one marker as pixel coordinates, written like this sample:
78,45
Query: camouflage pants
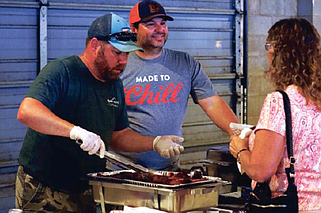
32,196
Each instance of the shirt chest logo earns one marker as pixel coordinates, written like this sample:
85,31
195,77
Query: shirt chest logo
113,102
138,95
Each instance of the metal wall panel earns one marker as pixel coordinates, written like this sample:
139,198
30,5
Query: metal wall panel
34,32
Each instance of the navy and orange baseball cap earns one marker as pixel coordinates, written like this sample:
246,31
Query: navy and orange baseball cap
146,10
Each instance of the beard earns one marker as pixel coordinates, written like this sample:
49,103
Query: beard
103,68
149,42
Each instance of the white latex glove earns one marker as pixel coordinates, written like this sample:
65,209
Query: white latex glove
91,142
167,146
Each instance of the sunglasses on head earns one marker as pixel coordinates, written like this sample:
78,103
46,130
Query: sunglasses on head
124,36
121,36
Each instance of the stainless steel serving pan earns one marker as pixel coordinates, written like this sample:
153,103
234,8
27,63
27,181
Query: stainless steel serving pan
109,177
170,198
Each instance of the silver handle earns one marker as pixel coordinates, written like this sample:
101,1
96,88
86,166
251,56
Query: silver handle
122,161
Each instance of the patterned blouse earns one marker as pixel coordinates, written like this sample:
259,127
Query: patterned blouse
306,129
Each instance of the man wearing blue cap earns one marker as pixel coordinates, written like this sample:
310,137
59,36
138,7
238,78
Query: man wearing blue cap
78,98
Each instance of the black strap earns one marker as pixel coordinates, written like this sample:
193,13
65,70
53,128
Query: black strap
289,141
288,120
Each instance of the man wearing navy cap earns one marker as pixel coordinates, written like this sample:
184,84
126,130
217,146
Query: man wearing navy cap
158,83
78,98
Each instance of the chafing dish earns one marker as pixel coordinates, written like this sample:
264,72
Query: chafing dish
170,198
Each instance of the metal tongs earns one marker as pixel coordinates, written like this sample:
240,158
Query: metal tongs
124,162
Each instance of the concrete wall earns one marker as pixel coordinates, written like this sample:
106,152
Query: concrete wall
262,15
316,14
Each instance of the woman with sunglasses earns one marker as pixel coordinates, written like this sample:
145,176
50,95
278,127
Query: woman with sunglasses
293,52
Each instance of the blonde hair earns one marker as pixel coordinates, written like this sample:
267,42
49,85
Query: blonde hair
296,59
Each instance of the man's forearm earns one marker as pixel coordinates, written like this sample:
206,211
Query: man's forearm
219,112
38,117
128,140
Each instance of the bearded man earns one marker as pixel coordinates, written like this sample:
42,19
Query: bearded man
78,98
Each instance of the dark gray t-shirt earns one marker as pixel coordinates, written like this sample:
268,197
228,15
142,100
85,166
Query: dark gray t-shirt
69,90
156,94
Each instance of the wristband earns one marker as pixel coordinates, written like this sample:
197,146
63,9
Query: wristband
239,152
155,141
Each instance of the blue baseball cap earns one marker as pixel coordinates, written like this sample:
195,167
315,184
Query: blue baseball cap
115,30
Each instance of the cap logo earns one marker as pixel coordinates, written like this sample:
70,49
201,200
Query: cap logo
153,8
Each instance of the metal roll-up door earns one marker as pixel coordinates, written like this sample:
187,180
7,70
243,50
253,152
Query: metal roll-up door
208,30
18,68
32,33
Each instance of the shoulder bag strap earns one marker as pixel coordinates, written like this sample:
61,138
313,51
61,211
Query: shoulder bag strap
289,142
292,193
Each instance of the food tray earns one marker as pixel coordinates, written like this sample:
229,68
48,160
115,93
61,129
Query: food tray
170,198
108,176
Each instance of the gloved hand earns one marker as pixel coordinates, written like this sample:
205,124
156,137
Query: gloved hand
167,146
90,141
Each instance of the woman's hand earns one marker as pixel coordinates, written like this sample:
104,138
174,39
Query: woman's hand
238,144
262,162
